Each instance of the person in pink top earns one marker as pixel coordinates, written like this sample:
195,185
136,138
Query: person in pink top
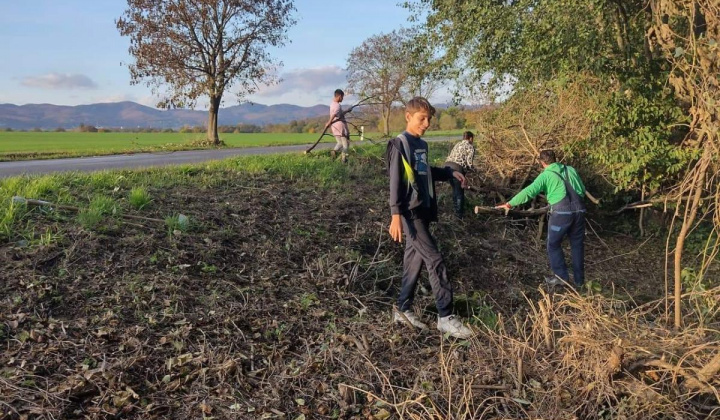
339,126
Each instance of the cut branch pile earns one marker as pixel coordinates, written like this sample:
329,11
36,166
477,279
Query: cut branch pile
511,136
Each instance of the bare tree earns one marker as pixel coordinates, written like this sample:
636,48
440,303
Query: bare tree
421,84
379,68
203,47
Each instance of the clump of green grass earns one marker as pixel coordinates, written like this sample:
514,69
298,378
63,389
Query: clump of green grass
139,197
476,308
9,215
177,223
89,218
47,238
102,180
103,205
42,188
99,208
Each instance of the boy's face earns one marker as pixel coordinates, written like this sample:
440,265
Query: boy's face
338,98
417,123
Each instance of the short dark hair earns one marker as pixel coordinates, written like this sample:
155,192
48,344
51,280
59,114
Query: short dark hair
339,92
468,135
547,157
418,104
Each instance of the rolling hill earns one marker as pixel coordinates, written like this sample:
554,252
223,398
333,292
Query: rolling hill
131,114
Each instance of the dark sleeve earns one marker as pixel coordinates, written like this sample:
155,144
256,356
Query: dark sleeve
395,171
441,174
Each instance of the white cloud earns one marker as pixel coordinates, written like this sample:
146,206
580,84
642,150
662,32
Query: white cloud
59,81
311,81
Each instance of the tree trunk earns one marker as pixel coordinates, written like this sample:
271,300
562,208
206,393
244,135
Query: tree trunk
386,120
212,131
691,208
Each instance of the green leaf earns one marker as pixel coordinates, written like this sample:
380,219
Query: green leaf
23,336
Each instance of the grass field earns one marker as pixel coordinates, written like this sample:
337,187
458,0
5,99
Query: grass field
43,145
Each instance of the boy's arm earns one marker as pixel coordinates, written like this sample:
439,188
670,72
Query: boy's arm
441,174
394,171
446,174
530,192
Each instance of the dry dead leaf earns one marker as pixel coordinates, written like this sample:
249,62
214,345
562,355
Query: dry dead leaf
205,408
383,414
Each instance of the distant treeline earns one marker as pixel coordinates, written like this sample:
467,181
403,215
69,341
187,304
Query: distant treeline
446,119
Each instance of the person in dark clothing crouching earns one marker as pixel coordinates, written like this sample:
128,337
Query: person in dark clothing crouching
461,160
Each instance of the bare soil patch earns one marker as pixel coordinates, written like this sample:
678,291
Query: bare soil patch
275,304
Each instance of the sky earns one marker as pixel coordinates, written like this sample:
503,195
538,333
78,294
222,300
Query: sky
70,52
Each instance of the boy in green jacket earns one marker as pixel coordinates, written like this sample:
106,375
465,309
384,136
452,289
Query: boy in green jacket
563,190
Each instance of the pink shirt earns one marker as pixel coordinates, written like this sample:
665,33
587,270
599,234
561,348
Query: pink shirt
339,128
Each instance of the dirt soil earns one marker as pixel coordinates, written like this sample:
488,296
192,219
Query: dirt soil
275,304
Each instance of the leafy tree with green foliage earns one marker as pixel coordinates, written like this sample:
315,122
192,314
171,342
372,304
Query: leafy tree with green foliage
493,42
637,136
499,46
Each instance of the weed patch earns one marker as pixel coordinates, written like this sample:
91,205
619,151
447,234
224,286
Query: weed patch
139,197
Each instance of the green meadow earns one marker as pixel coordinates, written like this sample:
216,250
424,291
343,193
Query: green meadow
33,145
44,145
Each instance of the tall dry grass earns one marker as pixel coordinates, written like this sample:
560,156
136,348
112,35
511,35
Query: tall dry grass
575,357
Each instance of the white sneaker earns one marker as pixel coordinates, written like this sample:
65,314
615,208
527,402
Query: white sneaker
452,325
408,317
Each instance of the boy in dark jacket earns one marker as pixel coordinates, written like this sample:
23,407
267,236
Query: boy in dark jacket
413,206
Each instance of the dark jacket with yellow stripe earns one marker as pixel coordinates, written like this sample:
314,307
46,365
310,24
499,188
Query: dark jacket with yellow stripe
412,188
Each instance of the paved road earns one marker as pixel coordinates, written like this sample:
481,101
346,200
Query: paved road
145,160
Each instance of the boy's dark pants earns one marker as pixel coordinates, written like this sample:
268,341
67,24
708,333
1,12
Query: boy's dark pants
571,224
420,247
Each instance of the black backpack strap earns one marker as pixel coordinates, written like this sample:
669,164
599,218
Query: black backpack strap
570,192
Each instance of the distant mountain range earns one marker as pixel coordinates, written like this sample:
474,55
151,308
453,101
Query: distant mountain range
131,114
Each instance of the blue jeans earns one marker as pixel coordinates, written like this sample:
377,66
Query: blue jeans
570,224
